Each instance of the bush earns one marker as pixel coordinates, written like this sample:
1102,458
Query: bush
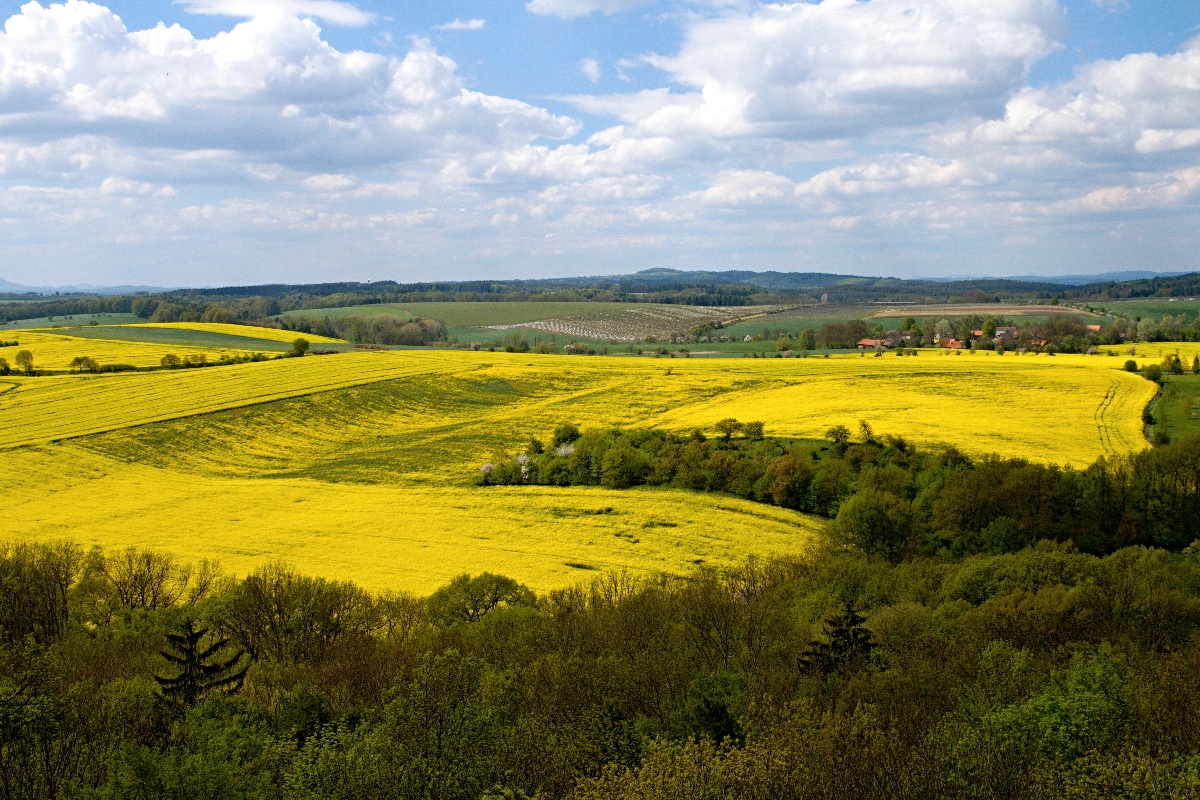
565,433
1152,372
1131,366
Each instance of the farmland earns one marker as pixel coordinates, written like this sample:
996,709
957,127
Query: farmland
466,314
54,350
599,322
360,464
1178,409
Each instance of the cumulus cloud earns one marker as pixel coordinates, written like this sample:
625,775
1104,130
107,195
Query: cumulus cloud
330,11
843,67
568,9
462,25
77,89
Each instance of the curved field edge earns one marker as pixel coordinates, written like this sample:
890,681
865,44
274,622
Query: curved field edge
1065,410
246,331
64,407
406,538
54,349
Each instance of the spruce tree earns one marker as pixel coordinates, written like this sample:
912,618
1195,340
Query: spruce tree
201,671
848,648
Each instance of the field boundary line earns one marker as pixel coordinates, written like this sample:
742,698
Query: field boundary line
219,407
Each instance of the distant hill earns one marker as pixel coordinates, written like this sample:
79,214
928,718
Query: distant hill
1104,277
8,287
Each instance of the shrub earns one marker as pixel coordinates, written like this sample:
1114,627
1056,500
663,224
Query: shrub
1152,372
1131,366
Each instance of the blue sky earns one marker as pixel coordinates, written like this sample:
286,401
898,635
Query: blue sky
210,142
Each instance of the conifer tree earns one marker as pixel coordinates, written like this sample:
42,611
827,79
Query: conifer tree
201,671
848,647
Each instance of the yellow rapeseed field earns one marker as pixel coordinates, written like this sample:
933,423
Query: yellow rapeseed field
250,331
52,351
388,537
359,464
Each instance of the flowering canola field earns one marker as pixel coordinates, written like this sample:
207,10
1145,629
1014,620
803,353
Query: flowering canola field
251,331
358,465
53,351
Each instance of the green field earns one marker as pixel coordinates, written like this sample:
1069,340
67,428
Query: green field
1177,412
464,315
1182,308
74,320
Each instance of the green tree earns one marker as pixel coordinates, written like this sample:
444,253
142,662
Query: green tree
1152,372
753,430
201,669
5,369
1131,366
989,328
877,523
84,364
300,347
469,599
838,434
848,649
789,478
728,427
868,433
783,343
1196,365
25,361
808,339
622,466
170,360
565,433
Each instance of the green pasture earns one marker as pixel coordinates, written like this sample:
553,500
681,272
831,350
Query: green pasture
466,314
1156,308
1177,412
74,321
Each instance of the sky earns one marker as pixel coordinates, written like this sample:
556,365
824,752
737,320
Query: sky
221,142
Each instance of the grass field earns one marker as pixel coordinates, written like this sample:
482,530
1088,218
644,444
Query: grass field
464,315
1178,410
1181,308
75,320
359,465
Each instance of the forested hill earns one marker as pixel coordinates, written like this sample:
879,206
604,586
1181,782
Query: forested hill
731,288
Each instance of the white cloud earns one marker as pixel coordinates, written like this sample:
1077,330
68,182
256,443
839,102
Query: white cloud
330,11
843,67
77,91
462,25
590,68
568,9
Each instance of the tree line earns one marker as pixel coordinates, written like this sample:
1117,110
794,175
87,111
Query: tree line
1044,673
886,497
378,329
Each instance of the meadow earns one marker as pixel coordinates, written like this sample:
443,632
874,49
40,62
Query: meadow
360,465
1178,409
1180,308
465,314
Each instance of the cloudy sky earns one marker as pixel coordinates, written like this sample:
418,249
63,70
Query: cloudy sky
209,142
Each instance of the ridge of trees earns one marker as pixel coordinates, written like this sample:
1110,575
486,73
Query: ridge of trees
251,303
886,497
